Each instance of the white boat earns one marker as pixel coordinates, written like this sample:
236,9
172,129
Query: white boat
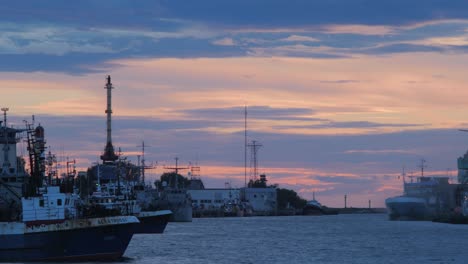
313,207
407,208
426,198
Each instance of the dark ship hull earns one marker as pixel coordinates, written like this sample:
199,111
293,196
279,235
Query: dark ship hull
313,207
312,210
152,222
100,239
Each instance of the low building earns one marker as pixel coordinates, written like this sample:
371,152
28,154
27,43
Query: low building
213,198
262,201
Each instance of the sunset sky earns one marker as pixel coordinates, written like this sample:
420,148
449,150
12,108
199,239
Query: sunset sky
341,93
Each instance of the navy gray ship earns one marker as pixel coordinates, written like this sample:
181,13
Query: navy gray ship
168,195
174,195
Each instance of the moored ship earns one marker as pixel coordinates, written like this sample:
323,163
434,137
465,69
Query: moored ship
52,230
424,199
313,207
150,221
407,208
179,202
173,194
118,182
40,223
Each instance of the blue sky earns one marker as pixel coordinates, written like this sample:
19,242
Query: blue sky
76,37
341,94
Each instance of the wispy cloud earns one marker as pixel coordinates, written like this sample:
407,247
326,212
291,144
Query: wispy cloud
360,29
380,151
340,81
363,124
224,42
299,38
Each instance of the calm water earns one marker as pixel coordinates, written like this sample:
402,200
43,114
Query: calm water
303,239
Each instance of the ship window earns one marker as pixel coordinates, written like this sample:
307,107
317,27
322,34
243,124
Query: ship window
59,202
41,203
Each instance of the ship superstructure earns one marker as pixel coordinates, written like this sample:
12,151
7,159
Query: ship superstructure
13,175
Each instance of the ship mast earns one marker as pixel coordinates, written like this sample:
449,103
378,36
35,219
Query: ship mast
142,165
176,168
245,147
6,147
403,175
422,166
109,155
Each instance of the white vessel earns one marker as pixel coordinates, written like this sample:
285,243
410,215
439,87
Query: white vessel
422,199
407,208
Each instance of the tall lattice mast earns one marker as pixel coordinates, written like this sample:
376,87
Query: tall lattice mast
254,147
109,155
245,147
142,166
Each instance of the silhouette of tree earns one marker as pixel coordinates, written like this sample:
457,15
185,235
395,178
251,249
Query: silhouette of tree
286,196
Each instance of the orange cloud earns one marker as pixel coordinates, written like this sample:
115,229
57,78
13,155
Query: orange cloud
405,88
360,29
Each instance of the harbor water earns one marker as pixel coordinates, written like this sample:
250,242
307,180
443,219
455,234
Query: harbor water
353,238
